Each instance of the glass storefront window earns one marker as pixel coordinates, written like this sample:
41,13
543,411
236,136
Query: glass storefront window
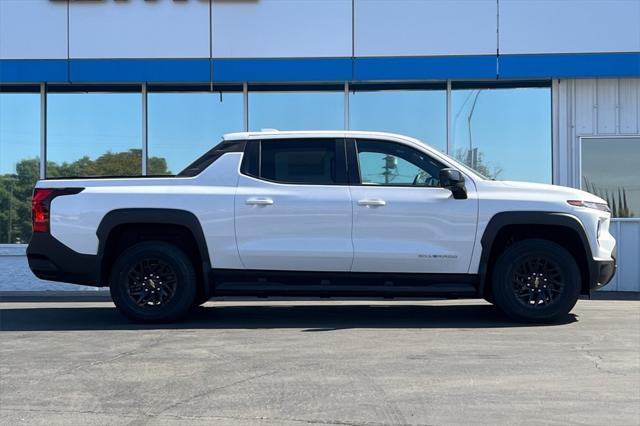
610,170
94,134
183,126
296,110
19,163
503,133
421,114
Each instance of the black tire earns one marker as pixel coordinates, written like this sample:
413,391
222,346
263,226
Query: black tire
149,299
536,281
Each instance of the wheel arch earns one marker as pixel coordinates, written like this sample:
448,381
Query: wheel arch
164,224
562,228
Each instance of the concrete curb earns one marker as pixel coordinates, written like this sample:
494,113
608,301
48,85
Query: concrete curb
616,295
55,296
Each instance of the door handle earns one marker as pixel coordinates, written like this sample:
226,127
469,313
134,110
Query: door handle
372,202
259,201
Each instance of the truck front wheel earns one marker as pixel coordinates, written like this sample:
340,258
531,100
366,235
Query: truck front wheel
153,282
536,281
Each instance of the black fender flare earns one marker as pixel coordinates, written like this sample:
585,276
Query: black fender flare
502,219
154,216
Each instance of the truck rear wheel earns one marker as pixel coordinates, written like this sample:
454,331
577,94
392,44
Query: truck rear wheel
536,281
153,282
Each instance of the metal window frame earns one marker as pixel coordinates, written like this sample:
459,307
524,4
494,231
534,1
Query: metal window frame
43,131
145,133
190,88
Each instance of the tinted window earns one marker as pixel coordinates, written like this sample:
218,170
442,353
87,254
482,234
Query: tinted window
299,161
610,171
208,158
388,163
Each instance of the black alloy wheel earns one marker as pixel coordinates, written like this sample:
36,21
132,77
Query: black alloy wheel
535,280
153,281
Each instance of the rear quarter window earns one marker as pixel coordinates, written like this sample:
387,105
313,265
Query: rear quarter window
211,156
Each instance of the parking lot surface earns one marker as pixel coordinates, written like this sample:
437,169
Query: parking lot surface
319,362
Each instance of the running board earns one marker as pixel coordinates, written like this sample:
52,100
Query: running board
443,290
327,284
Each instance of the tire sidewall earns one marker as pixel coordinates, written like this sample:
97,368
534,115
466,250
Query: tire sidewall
183,297
507,301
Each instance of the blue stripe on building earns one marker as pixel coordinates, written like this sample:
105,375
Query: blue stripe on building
472,67
424,68
281,70
33,70
139,70
586,65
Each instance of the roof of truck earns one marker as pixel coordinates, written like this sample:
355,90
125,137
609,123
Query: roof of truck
276,134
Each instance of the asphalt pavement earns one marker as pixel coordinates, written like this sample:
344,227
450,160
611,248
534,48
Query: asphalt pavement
319,362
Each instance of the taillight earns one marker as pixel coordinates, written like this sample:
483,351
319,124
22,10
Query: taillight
40,209
41,203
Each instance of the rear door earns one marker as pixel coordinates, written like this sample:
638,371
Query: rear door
403,220
293,206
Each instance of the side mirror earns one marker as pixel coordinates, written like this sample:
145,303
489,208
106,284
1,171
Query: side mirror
453,180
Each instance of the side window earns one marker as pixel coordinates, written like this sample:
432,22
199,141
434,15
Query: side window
394,164
302,161
211,156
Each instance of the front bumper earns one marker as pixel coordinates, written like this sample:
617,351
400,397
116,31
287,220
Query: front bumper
602,271
51,260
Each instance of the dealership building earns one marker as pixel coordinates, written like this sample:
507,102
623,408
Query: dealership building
535,90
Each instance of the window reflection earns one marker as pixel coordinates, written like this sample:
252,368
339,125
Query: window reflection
387,163
421,114
296,110
503,133
94,134
610,171
183,126
19,163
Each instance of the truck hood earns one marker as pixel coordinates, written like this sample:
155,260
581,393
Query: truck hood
532,190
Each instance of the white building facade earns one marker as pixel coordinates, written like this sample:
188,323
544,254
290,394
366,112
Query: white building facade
537,90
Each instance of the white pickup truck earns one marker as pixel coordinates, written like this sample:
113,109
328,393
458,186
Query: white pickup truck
329,214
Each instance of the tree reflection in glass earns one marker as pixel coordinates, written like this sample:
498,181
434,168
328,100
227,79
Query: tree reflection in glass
610,171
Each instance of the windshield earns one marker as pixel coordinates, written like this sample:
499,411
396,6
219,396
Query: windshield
468,169
455,162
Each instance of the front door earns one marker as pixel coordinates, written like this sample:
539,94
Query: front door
403,220
293,206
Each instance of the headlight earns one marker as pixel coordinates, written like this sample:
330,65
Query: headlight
603,207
